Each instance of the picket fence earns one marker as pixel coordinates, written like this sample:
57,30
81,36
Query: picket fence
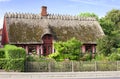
72,66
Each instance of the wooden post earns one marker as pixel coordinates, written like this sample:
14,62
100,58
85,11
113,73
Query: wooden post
93,48
95,66
26,48
117,65
41,49
49,67
72,66
83,49
37,49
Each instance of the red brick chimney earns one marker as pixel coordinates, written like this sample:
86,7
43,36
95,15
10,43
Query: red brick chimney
44,11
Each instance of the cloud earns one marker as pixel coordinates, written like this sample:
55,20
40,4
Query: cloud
4,0
103,3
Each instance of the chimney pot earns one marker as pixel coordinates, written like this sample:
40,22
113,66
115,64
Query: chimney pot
44,11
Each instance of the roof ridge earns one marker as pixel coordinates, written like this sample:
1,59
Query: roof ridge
50,16
23,15
70,17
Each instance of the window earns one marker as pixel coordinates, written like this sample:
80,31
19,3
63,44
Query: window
88,48
31,50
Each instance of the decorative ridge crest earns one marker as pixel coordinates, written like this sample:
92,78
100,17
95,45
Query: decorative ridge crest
70,17
49,16
23,15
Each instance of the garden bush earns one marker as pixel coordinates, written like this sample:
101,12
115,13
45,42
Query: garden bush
13,52
36,58
100,57
15,64
16,53
12,58
69,49
3,62
2,53
86,57
65,66
36,67
106,66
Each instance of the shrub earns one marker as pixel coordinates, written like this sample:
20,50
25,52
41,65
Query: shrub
10,47
12,58
15,64
87,66
2,53
16,53
69,49
3,63
100,57
86,57
106,66
31,58
36,58
114,57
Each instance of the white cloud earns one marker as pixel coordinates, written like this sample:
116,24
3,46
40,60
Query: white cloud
4,0
103,3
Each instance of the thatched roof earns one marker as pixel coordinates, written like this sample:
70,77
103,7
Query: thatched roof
29,28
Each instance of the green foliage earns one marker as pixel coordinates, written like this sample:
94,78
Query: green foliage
111,22
3,63
16,53
15,64
7,47
106,66
67,50
36,58
86,57
107,26
87,14
12,58
114,16
111,27
100,57
105,45
13,52
115,55
2,53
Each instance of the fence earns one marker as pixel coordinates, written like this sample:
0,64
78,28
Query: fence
72,66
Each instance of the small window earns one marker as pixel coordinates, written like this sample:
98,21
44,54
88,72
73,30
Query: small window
31,50
88,48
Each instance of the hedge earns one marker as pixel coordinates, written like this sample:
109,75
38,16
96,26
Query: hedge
2,53
16,53
15,64
12,58
3,63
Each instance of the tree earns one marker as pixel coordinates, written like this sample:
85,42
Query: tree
114,16
110,25
67,50
104,45
87,14
107,26
111,20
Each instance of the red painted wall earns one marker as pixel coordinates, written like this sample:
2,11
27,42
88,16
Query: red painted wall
4,33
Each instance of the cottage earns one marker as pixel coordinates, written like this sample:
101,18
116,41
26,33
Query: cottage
38,32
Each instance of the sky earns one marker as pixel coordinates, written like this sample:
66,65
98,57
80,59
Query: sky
70,7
